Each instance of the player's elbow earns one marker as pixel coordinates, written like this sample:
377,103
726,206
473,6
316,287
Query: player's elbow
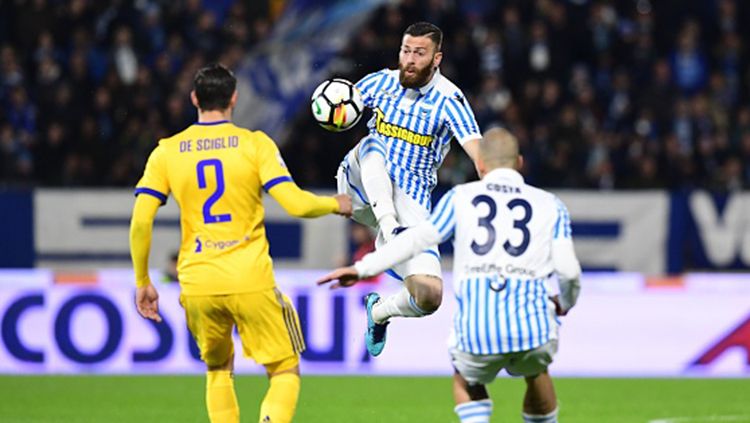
569,270
140,229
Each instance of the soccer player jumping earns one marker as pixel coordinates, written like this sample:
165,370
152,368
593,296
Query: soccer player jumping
216,172
392,171
509,238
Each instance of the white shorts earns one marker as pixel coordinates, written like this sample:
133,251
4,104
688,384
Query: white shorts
409,213
482,369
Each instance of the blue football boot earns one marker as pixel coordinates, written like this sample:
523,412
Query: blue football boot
375,335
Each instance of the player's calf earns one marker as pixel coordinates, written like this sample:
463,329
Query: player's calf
280,402
540,402
473,404
221,400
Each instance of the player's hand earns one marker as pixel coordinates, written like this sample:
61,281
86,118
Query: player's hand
345,204
147,303
343,277
558,308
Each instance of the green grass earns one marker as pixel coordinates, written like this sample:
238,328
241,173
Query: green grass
365,399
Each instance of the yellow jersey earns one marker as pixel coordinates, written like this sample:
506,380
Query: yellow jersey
216,171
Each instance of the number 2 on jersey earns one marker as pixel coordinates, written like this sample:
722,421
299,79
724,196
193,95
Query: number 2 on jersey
486,223
216,195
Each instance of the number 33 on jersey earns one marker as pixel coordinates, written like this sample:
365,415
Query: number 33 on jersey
216,171
502,226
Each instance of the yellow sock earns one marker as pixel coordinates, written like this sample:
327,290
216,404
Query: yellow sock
220,398
281,399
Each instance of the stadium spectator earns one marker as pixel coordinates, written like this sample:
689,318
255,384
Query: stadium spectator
632,73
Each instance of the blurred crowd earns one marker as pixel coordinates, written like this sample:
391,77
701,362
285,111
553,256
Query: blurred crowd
630,94
602,94
88,87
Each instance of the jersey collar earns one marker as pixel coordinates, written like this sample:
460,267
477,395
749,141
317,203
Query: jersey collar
216,122
505,173
424,89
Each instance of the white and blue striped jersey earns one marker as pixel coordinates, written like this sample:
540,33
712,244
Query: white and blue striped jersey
416,126
508,238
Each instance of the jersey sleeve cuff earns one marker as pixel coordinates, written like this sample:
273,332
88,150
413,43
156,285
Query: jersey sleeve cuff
152,192
275,181
468,137
362,269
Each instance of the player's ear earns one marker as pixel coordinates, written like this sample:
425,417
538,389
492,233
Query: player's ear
481,167
233,100
194,99
519,163
437,59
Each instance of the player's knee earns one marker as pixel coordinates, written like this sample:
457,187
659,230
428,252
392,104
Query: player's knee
217,365
287,365
429,301
428,296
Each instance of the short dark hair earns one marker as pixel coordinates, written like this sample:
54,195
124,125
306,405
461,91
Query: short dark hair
426,29
214,86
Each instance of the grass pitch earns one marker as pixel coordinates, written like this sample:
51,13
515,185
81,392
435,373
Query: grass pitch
367,399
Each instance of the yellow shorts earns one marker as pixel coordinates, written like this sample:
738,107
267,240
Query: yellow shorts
266,321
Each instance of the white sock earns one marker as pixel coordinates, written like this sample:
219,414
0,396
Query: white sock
377,184
474,411
550,417
400,304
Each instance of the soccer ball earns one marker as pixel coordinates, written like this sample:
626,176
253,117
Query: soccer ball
337,105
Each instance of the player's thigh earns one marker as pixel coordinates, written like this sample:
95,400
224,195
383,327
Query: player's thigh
348,181
411,213
533,362
478,369
210,322
268,325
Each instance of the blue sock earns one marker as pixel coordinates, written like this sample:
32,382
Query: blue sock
475,411
541,418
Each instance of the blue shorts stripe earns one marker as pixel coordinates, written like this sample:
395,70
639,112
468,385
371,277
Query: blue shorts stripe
353,187
394,275
434,253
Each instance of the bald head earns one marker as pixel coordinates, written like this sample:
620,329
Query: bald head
499,149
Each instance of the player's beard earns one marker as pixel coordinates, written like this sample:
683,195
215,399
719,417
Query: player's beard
419,79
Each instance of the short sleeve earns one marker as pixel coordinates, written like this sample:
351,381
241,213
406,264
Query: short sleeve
155,181
562,228
460,118
271,167
444,217
367,87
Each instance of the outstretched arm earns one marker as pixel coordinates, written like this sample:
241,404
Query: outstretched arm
300,203
438,228
404,246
